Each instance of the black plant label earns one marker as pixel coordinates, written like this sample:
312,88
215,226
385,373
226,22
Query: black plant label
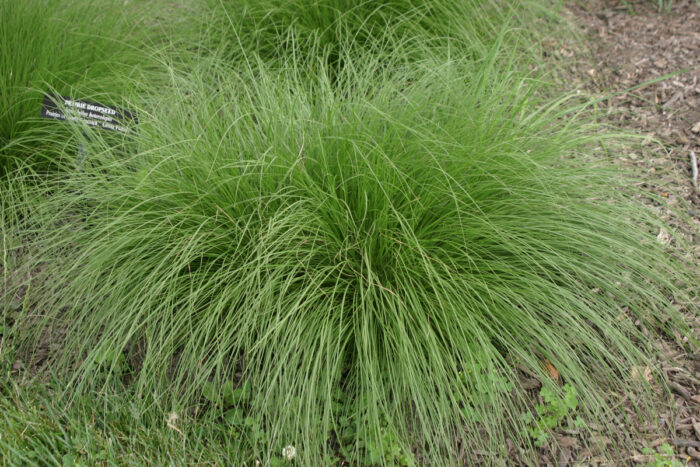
93,114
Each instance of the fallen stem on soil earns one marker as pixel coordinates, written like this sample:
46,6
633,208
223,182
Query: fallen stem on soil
694,168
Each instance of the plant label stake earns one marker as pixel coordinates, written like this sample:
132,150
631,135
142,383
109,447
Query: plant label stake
96,115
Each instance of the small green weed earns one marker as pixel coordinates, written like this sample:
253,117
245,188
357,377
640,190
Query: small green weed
478,387
234,402
665,5
383,450
664,458
552,413
372,452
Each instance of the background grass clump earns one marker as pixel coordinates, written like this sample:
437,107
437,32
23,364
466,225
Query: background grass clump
78,48
329,33
355,273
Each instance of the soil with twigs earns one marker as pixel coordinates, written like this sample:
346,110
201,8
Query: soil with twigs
633,47
649,62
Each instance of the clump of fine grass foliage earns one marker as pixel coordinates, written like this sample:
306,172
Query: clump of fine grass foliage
354,269
69,48
313,31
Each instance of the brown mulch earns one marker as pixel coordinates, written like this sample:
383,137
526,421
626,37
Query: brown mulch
628,50
629,47
634,49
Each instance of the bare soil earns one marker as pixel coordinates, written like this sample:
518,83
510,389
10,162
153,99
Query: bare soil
645,65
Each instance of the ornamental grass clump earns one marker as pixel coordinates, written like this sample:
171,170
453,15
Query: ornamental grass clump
326,31
354,274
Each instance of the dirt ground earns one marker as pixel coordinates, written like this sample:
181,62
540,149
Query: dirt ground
631,46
